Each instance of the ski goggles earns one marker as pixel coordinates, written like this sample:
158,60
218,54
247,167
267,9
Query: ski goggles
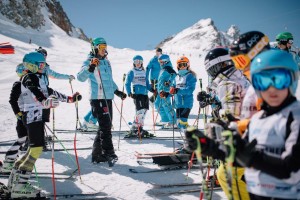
102,46
181,65
136,62
34,67
278,78
285,42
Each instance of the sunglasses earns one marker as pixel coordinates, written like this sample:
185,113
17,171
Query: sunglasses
182,65
137,62
102,46
278,78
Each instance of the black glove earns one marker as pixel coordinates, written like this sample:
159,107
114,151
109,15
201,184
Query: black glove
152,98
132,95
74,97
92,68
208,146
203,99
120,94
245,152
163,94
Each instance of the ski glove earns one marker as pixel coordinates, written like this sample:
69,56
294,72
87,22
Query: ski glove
50,102
74,97
245,152
19,115
208,146
120,94
173,90
132,95
71,78
93,64
163,94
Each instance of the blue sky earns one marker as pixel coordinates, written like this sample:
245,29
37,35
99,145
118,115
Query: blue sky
142,24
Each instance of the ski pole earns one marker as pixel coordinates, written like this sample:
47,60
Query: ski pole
154,86
75,104
53,174
75,138
124,76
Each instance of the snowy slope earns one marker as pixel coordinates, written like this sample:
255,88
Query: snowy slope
65,55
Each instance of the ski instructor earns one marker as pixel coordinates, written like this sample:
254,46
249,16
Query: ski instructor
98,71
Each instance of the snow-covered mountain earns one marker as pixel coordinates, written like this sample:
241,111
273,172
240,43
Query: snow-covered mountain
199,38
38,15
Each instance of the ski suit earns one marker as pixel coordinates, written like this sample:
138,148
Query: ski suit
275,170
230,86
166,77
185,83
102,88
140,86
152,73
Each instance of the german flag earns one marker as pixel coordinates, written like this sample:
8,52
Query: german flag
6,48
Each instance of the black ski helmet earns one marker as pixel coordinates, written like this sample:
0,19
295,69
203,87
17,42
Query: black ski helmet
216,61
249,45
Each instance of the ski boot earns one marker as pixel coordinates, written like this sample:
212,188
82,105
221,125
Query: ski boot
146,134
133,133
112,158
99,158
22,189
7,165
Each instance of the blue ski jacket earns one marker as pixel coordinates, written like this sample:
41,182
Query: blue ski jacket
137,78
166,78
185,82
153,69
102,85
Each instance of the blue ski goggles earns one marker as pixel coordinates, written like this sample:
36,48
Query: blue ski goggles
278,78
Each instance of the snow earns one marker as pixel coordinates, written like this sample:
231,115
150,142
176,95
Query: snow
65,55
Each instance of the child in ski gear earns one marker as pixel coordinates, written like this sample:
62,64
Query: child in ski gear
152,73
285,42
13,152
139,92
270,147
166,77
242,52
51,73
35,96
182,89
229,85
97,70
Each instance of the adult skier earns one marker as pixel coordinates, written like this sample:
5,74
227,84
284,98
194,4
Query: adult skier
97,70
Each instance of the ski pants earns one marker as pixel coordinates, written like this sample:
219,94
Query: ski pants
183,115
160,110
168,108
102,110
239,187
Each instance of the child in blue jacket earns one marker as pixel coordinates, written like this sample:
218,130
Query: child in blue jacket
183,88
136,78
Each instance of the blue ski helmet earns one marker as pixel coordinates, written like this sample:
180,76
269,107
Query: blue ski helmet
276,59
95,42
137,57
20,70
163,60
33,61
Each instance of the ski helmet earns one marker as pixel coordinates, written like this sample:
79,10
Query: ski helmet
137,57
216,61
20,70
183,62
246,47
284,37
42,51
34,61
158,50
276,59
163,60
96,42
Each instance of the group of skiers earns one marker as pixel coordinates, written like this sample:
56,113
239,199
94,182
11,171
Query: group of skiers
252,94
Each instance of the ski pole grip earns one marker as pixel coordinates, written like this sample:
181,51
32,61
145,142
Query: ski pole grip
200,80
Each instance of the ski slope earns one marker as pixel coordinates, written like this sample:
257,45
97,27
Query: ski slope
65,55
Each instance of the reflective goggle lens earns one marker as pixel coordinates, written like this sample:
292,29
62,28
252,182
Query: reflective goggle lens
138,62
241,61
278,78
102,46
41,65
181,65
